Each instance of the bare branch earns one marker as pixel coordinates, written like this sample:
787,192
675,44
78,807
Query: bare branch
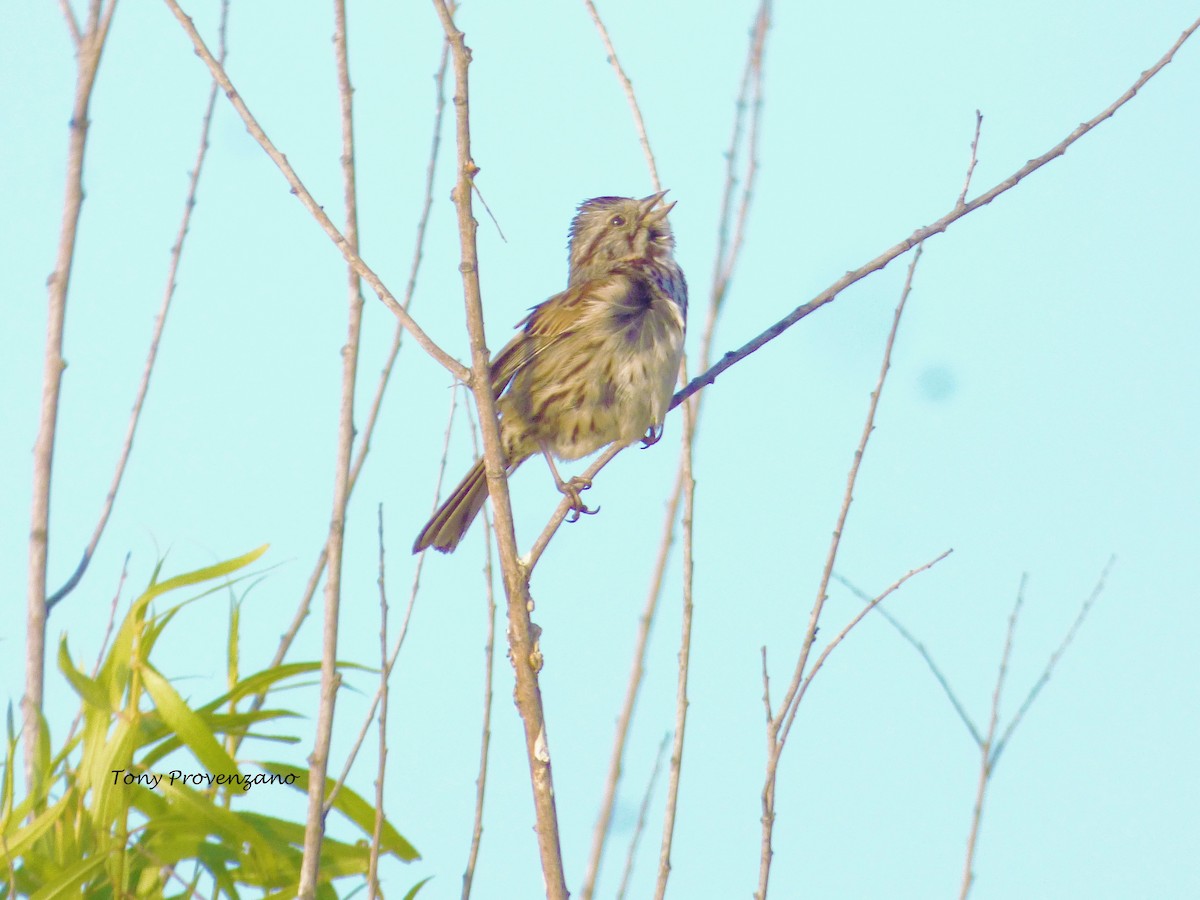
638,122
927,231
364,441
318,760
489,657
685,655
780,724
726,258
962,197
88,52
524,652
159,323
925,655
384,672
647,795
985,748
1052,663
453,366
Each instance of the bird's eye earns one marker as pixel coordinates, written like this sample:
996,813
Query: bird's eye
616,221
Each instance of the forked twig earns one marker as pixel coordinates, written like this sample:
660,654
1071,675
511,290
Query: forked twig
780,724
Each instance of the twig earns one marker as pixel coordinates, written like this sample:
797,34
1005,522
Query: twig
378,699
631,854
160,321
862,614
524,652
384,672
1044,678
685,653
88,52
530,560
489,657
781,723
453,366
638,122
632,688
985,748
314,829
72,22
925,655
364,441
962,197
921,234
751,81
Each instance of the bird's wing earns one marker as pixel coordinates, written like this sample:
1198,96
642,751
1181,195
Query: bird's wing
547,324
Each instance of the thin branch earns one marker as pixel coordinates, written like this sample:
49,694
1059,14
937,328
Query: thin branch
524,652
985,748
314,829
364,441
626,85
962,197
88,53
384,672
72,22
925,655
927,231
726,258
1052,663
489,658
160,322
685,654
647,795
530,560
781,723
632,689
379,697
862,614
453,366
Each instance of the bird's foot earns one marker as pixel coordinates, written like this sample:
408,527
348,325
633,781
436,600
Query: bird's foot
572,489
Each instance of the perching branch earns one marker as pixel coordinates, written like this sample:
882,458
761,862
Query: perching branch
524,652
927,231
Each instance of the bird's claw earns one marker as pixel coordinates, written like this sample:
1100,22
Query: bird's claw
653,435
572,490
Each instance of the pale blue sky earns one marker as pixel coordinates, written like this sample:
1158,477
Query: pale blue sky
1040,416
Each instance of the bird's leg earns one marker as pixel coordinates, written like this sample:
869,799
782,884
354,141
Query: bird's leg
653,435
571,489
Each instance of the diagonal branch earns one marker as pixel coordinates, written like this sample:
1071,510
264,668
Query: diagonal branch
927,231
627,86
453,366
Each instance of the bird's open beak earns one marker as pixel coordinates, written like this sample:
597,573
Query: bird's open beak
650,215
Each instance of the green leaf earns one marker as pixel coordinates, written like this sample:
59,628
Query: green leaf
191,728
354,808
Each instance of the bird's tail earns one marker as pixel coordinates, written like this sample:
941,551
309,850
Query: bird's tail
454,517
